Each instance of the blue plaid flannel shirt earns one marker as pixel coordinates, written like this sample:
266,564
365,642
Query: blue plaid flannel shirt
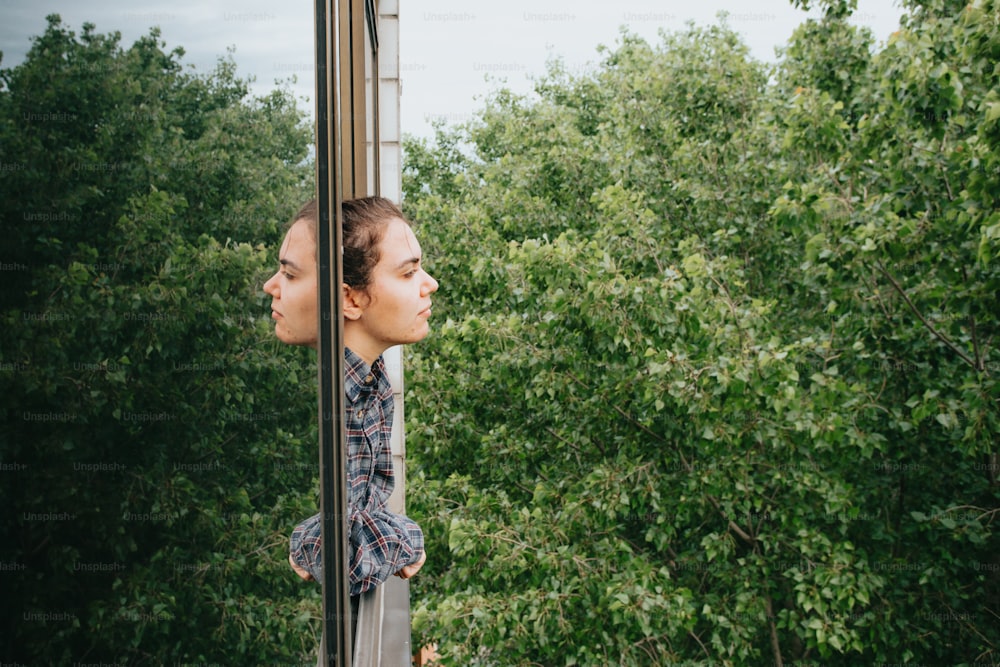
380,542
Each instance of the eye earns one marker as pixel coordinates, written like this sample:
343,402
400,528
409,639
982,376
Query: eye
415,268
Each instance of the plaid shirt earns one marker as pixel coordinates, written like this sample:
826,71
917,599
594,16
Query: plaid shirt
380,542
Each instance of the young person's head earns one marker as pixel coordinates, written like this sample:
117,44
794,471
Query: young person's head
386,292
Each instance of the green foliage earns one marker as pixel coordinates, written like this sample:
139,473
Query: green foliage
152,427
714,380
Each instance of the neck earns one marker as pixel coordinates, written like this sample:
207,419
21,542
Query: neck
364,347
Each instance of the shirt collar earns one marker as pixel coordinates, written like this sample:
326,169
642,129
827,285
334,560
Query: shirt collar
359,376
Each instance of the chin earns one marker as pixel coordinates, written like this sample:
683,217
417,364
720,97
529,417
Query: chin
419,336
285,338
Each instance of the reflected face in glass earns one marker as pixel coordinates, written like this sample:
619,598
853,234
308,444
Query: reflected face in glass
396,306
293,288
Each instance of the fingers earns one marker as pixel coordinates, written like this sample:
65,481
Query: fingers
411,569
298,570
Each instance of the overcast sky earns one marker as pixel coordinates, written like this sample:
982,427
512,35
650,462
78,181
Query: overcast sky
451,52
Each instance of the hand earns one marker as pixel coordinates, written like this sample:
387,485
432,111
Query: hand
298,570
411,569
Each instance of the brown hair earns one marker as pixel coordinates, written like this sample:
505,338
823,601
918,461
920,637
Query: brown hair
364,223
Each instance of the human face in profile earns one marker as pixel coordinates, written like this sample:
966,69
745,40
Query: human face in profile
293,288
395,307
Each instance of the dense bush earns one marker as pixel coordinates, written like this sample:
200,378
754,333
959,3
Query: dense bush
156,440
715,375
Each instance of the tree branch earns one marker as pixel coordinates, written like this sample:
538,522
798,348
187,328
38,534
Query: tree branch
980,365
930,327
775,645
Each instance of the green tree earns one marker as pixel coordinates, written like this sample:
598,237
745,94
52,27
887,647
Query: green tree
715,379
155,438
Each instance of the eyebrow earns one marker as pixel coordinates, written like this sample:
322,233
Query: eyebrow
288,262
405,263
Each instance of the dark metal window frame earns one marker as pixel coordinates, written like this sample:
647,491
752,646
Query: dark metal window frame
342,123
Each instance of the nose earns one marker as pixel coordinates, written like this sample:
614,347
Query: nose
271,286
430,285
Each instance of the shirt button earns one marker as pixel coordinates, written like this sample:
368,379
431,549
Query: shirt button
369,379
361,414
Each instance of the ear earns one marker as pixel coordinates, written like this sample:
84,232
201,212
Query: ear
355,302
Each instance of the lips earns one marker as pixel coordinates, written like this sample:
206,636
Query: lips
275,314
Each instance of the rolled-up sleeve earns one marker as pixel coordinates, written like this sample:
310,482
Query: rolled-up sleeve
305,546
382,543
